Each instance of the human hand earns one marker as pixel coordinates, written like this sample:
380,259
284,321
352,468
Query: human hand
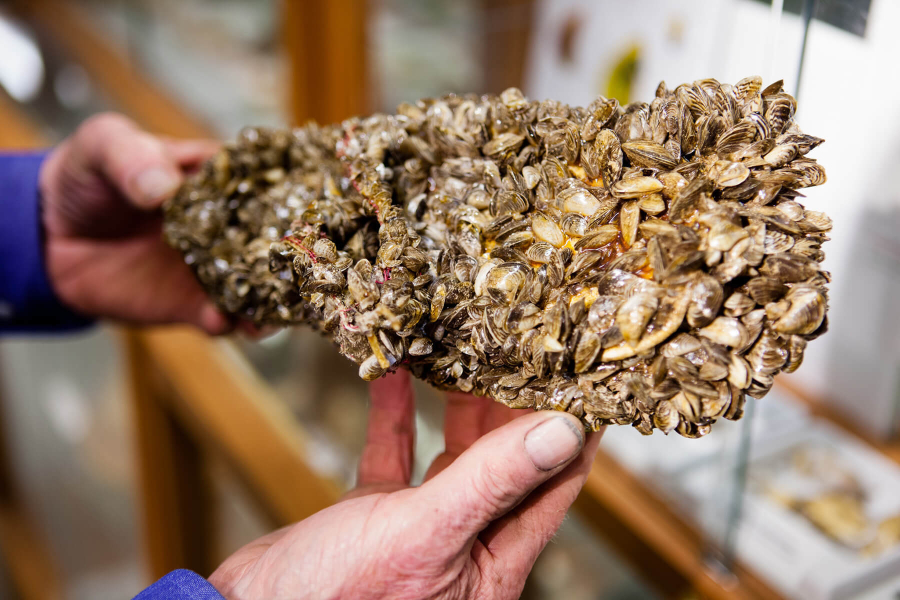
489,505
101,190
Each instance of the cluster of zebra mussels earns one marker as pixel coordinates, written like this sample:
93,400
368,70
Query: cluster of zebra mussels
647,264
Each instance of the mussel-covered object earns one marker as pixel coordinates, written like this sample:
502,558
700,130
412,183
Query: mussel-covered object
648,264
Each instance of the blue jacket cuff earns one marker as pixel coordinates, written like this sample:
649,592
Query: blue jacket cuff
27,301
180,585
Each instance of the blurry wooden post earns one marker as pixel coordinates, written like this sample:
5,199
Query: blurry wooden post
326,45
506,37
178,516
225,407
25,556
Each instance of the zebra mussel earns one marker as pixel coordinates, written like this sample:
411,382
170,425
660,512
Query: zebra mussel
647,264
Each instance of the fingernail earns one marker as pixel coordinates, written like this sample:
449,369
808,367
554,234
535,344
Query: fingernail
553,442
155,183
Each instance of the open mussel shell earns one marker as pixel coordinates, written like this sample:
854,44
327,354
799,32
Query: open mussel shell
647,265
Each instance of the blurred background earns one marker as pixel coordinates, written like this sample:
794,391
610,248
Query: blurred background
127,453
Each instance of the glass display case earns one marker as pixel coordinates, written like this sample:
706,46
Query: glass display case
221,60
799,499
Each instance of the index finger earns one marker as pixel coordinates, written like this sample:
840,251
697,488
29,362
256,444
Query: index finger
467,418
390,435
464,418
190,154
135,162
498,415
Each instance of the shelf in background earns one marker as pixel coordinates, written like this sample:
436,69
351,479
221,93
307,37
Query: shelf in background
821,409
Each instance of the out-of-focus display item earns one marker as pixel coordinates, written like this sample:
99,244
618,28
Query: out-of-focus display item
818,516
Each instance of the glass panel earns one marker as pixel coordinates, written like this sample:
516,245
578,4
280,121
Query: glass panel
220,58
410,43
67,431
578,566
328,397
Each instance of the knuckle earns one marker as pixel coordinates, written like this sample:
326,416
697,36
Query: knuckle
106,121
494,488
534,527
498,581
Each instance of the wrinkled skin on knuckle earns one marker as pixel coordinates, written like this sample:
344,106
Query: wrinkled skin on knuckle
395,559
118,132
497,582
533,525
416,564
466,586
495,486
421,570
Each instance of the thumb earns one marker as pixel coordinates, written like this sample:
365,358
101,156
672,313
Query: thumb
496,473
137,163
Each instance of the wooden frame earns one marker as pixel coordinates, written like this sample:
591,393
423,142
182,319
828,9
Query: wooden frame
508,25
326,42
655,540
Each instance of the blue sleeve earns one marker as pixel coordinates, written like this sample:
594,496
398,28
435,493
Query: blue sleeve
180,585
27,302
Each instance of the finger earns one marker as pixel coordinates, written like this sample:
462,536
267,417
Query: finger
138,164
190,154
516,539
211,319
441,462
498,415
497,473
173,278
464,417
176,297
257,332
390,435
